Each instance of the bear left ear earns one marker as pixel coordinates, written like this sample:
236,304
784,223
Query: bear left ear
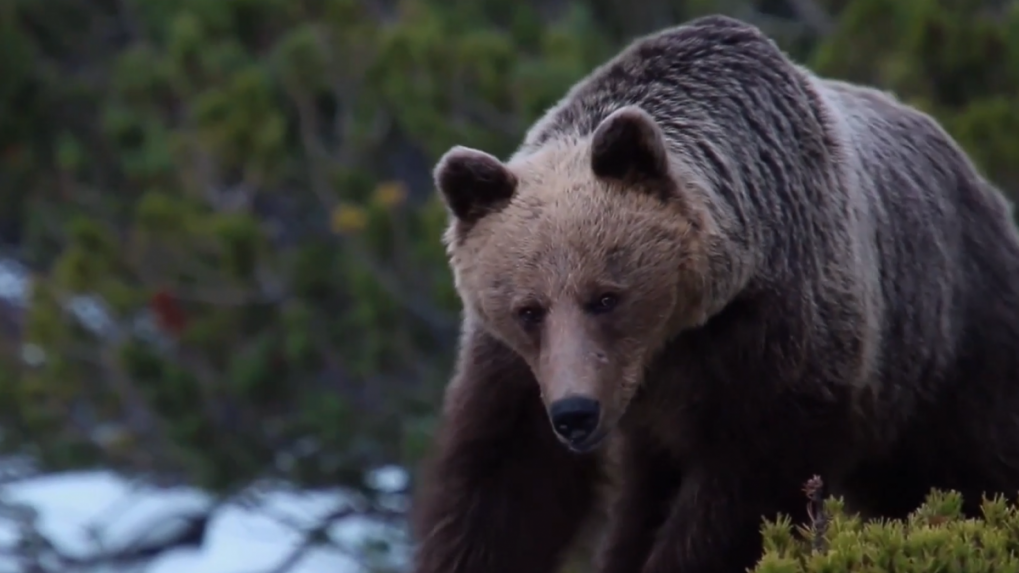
628,145
473,182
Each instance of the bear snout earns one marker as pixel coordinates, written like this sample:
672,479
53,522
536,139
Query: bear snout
575,420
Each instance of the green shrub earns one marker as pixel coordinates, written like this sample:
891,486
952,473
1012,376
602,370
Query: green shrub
935,538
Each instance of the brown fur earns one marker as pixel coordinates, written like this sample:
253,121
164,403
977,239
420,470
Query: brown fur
759,275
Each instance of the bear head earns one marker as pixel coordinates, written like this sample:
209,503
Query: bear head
584,257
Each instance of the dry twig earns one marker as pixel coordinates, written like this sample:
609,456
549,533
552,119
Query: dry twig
814,489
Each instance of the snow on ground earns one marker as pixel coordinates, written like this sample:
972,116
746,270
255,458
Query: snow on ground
239,540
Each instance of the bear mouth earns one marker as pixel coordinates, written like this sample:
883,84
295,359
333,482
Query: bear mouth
592,443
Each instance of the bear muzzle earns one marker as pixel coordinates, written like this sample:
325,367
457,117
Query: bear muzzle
577,422
577,383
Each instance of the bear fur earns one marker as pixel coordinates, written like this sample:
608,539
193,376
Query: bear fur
759,275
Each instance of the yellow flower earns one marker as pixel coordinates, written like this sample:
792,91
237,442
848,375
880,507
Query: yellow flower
347,218
390,193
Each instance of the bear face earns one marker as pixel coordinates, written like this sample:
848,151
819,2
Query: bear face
583,257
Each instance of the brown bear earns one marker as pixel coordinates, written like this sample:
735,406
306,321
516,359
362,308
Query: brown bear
737,274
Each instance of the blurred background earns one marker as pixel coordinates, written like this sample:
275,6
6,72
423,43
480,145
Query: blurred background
226,318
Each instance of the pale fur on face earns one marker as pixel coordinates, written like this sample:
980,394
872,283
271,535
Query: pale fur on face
557,237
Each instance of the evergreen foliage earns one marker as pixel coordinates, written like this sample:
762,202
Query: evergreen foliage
935,538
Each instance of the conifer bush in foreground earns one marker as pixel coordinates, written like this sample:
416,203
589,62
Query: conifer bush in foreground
936,538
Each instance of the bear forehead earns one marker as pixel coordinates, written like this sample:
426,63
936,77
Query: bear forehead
558,197
573,235
564,224
571,215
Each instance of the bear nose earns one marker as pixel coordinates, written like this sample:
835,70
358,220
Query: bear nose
575,418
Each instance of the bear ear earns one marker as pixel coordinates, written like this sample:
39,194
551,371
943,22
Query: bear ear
472,182
628,145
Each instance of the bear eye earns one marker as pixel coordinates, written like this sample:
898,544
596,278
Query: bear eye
531,315
605,303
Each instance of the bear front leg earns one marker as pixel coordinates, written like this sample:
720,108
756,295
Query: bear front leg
715,522
649,481
500,495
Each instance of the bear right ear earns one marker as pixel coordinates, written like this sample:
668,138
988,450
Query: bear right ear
628,146
473,182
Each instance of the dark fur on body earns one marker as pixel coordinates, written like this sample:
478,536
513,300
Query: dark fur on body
856,317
